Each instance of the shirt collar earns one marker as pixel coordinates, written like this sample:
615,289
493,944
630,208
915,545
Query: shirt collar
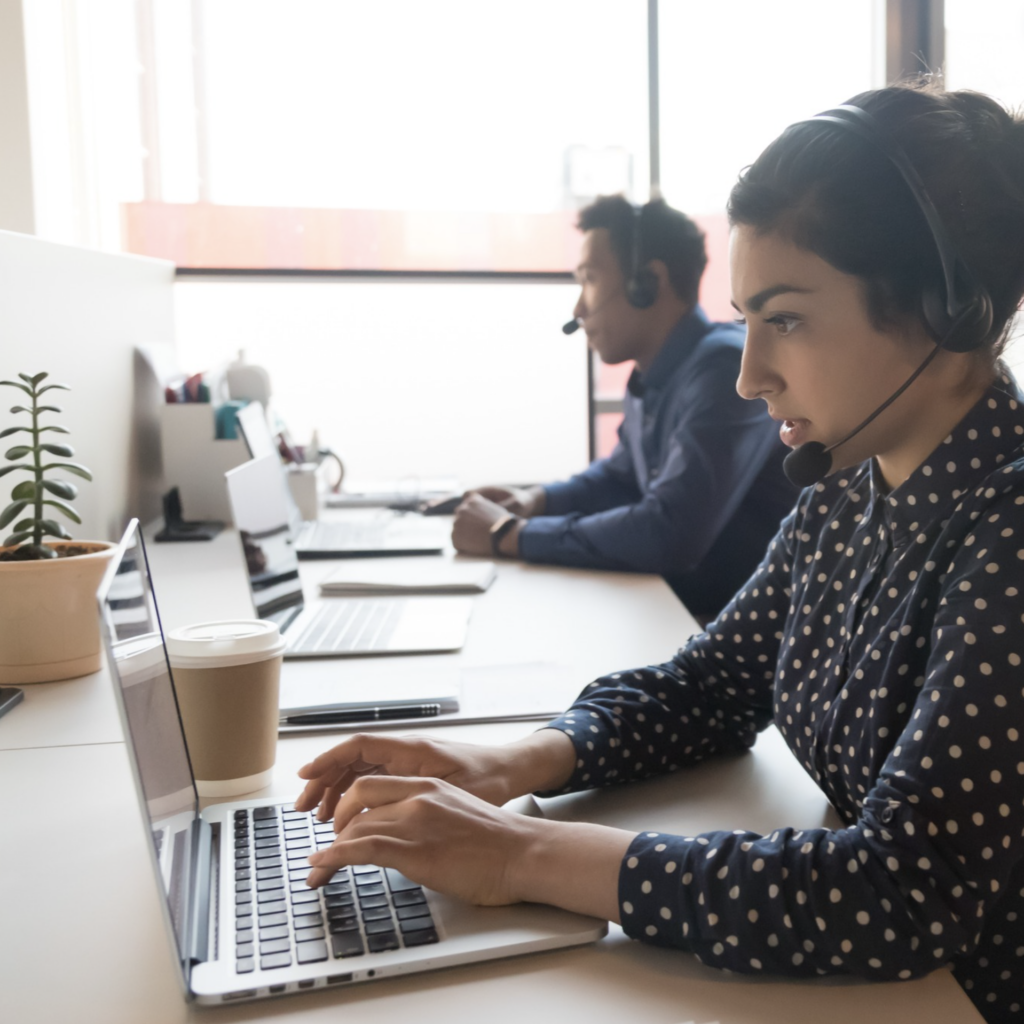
989,436
681,341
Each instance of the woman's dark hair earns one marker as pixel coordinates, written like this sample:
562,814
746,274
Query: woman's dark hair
836,195
664,234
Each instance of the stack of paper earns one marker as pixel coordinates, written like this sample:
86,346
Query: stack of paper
408,576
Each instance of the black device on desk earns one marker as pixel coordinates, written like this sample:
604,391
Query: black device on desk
177,528
9,696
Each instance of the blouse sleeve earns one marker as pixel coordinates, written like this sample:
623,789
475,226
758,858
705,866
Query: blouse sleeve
714,696
908,885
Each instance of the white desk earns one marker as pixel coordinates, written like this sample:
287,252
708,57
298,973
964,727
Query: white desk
80,931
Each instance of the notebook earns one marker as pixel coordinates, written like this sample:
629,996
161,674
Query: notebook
236,910
409,576
335,627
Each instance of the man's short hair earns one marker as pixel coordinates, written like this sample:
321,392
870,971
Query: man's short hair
663,234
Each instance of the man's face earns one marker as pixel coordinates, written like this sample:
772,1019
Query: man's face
613,327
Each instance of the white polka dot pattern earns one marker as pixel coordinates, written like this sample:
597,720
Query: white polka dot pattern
883,634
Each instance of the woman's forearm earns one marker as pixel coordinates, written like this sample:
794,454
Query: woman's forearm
542,761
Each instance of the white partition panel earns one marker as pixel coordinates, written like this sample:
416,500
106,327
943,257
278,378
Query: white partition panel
78,314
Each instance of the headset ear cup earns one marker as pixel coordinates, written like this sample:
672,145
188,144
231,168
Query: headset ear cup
964,333
642,288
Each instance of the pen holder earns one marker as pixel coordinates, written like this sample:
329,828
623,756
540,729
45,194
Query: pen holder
195,461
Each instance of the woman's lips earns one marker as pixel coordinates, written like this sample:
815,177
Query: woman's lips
794,432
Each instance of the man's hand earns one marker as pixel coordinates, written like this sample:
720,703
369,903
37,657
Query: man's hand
523,501
471,532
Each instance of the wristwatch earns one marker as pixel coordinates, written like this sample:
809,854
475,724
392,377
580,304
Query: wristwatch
499,529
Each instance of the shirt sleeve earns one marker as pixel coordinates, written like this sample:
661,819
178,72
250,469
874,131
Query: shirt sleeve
606,483
718,445
907,886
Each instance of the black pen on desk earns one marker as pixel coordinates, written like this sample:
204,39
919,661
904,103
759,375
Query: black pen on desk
365,715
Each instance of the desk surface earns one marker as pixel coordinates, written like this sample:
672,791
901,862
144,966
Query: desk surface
81,937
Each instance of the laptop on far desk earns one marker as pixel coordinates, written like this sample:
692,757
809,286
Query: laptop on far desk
372,534
330,627
234,903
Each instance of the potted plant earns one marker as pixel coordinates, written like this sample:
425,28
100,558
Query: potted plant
49,626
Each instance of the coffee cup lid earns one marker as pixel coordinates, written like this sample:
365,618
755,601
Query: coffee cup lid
230,642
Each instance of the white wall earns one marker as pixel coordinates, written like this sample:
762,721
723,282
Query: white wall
405,377
78,314
16,196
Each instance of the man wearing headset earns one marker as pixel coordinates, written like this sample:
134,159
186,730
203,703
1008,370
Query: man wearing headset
694,490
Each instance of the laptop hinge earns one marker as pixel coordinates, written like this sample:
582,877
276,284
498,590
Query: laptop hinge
199,911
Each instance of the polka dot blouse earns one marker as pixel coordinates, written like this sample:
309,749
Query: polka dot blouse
883,634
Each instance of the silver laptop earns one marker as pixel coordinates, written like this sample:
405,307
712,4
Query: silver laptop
373,535
335,626
236,909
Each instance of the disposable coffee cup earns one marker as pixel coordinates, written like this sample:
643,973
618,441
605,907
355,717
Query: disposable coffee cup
227,677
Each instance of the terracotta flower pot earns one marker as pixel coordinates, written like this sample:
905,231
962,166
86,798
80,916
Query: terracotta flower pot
49,625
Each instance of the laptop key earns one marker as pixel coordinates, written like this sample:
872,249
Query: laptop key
373,902
377,914
421,938
311,952
363,869
268,963
306,896
269,884
274,946
262,813
264,844
341,875
243,950
347,944
380,927
408,913
408,899
243,910
277,932
339,901
277,907
273,920
371,890
246,966
245,886
269,895
399,883
368,878
346,924
307,934
273,872
380,943
337,889
309,920
417,924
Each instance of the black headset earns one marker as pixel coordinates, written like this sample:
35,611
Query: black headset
641,281
959,312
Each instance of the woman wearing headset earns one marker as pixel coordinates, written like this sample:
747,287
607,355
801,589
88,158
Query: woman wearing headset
883,633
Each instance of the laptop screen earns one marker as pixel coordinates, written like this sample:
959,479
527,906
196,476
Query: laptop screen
139,670
258,495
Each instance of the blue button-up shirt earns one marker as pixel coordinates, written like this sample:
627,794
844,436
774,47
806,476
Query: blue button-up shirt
694,490
883,633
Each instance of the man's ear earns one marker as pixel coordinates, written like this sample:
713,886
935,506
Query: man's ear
660,271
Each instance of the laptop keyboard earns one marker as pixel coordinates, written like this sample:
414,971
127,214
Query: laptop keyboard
342,625
330,536
280,921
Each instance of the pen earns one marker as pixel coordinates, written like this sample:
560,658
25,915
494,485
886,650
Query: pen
365,714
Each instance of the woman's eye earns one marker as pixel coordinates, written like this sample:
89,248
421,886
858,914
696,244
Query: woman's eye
783,324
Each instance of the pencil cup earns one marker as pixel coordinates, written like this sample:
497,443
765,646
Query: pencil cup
227,679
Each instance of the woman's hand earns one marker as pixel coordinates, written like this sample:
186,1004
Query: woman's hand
448,840
497,774
432,831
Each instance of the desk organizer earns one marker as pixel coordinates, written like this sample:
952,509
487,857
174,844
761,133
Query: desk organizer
195,461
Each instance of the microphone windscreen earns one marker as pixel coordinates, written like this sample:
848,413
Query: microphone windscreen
571,327
807,464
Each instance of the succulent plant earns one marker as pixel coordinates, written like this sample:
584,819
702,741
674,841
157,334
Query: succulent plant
37,493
